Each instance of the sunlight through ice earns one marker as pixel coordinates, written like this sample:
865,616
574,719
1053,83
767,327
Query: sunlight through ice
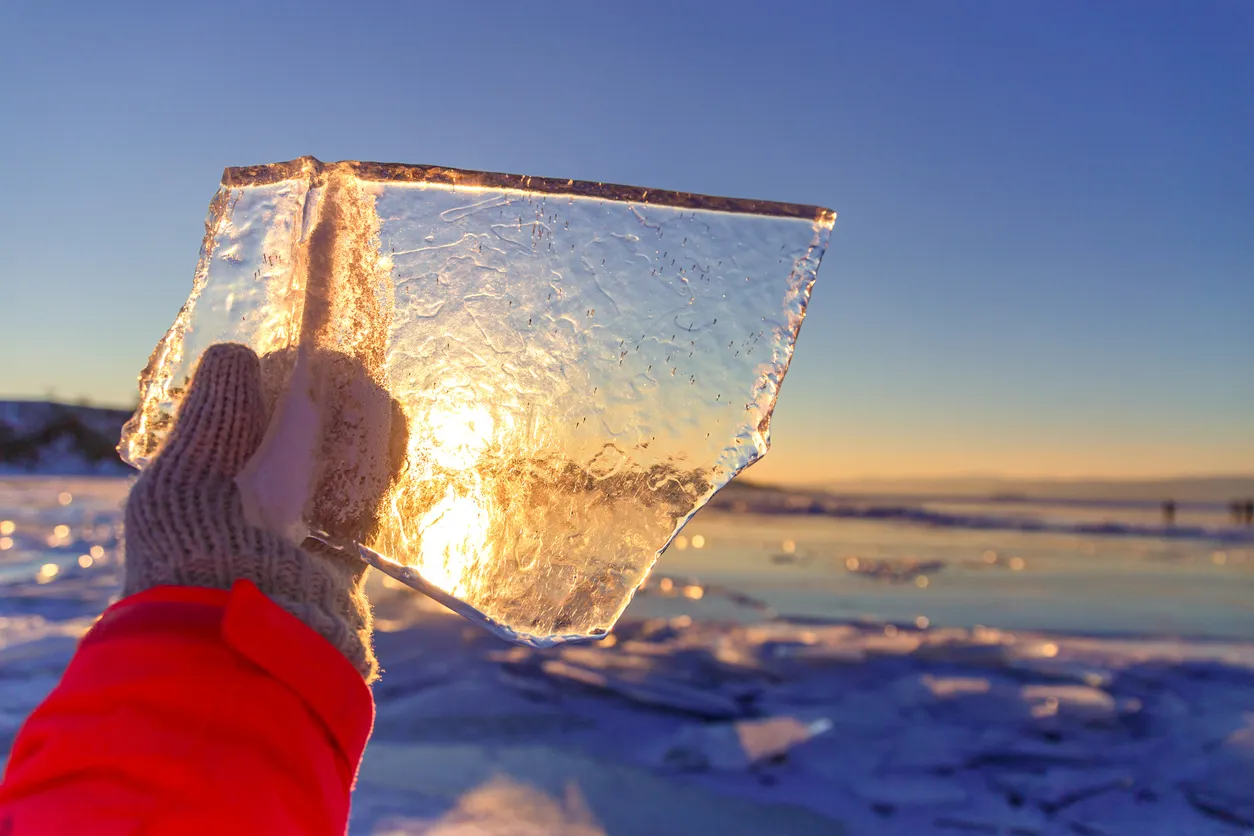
576,367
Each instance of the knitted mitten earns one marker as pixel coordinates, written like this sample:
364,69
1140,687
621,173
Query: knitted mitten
185,521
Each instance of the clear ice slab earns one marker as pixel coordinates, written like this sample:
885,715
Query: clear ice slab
578,368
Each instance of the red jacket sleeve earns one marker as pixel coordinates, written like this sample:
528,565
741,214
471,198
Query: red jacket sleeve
190,711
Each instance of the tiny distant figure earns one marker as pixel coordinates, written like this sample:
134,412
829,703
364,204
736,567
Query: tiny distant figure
1237,509
1169,512
1248,512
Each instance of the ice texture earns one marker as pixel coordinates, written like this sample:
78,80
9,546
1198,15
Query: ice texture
578,367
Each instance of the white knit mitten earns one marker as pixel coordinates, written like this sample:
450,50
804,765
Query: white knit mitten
185,521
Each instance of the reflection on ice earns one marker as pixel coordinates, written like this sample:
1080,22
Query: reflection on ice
740,745
503,806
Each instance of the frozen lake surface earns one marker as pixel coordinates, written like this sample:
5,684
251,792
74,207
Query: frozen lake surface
866,666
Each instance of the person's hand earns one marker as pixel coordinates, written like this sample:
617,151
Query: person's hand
185,521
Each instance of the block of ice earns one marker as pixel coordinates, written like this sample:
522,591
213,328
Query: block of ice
578,367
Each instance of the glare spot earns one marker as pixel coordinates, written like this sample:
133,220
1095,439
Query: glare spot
851,563
85,561
694,592
890,630
65,497
458,435
97,552
1018,563
6,543
7,527
666,585
789,546
922,622
921,581
454,534
61,532
990,556
1049,650
681,542
47,572
698,541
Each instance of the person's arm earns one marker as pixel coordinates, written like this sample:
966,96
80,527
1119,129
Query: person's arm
189,710
226,693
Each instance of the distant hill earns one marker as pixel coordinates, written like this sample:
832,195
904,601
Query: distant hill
60,439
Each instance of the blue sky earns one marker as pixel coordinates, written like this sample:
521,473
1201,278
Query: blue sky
1043,264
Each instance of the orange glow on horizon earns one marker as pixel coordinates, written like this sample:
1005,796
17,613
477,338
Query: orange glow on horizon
797,461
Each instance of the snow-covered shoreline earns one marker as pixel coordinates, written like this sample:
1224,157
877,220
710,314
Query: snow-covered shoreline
773,725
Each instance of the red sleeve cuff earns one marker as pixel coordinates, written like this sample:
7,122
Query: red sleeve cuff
265,634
